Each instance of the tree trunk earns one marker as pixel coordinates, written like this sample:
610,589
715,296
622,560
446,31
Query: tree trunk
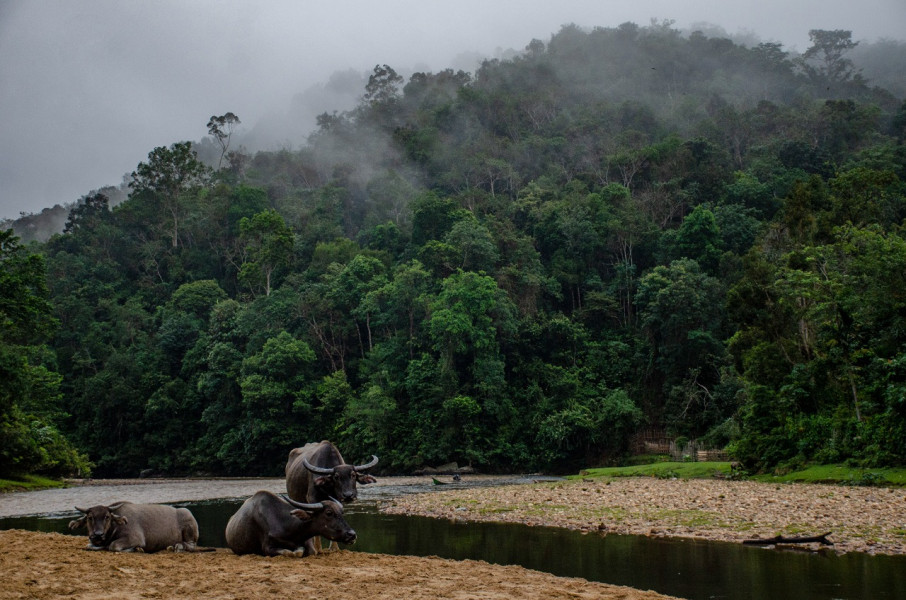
821,539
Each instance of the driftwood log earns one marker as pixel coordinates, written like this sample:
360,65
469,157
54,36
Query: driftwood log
821,539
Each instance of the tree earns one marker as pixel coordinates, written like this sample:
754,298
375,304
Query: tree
269,245
474,244
383,86
88,214
25,313
400,305
221,128
277,393
827,50
348,288
167,176
680,311
382,94
699,238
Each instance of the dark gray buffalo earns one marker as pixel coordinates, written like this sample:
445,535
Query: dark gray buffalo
128,527
317,471
272,525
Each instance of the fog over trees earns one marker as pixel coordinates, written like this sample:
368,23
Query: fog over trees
90,87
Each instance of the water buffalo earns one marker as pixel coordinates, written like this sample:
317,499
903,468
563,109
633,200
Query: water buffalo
317,471
272,525
128,527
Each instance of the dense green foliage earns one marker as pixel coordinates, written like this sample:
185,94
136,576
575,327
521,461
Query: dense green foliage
516,269
29,388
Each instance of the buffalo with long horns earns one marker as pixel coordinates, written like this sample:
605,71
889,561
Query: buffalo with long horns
317,472
273,525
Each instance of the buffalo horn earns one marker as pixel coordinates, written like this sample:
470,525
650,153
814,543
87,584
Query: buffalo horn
367,465
314,469
302,505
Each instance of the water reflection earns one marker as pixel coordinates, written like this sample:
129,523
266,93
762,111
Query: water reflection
688,569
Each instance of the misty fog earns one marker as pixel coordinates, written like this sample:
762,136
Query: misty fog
89,88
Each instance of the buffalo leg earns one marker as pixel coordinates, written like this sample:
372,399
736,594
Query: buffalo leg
310,546
276,547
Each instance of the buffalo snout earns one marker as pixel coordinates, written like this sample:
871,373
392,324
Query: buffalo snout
349,537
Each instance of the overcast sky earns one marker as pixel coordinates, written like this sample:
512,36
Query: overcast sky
89,87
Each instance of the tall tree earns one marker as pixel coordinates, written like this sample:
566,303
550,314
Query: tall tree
221,129
383,85
167,176
269,246
827,52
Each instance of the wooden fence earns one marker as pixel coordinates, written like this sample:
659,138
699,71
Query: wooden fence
655,441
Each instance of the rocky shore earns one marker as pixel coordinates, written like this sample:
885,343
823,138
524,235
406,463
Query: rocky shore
859,519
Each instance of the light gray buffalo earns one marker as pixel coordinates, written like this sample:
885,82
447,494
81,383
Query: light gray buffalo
128,527
273,525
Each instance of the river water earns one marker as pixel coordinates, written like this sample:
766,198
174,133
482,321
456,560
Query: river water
684,568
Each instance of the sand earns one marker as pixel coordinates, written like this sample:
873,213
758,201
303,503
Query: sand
50,565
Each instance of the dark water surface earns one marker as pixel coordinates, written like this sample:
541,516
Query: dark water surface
684,568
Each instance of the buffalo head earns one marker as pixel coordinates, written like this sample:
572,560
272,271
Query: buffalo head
326,519
101,522
340,481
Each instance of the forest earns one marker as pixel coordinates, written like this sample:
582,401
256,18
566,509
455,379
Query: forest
521,268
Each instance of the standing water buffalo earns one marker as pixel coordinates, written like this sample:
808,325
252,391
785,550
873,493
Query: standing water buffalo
271,525
128,527
317,472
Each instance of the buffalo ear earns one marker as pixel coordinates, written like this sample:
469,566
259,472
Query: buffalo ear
119,519
300,514
322,481
364,478
80,522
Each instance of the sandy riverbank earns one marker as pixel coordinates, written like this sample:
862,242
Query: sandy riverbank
45,566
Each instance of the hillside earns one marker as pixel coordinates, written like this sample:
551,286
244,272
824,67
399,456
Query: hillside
517,268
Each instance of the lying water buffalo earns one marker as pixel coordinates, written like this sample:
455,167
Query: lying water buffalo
128,527
271,525
317,472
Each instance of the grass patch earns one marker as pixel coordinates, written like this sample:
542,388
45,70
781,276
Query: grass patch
611,513
663,470
687,518
840,474
837,474
497,510
29,482
646,459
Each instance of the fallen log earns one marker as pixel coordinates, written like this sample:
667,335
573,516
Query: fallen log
821,539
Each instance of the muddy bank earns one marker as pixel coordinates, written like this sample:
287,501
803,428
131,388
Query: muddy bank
860,519
46,566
